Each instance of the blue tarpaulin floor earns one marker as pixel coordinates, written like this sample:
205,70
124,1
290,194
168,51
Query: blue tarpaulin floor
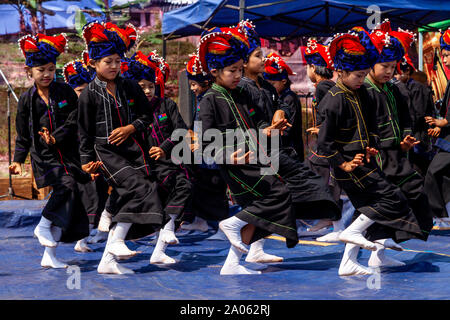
310,270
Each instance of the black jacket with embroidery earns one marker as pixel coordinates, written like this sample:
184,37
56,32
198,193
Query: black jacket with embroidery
49,162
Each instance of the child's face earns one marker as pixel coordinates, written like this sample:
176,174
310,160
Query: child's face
310,72
279,85
383,72
107,68
79,89
43,75
197,88
353,79
229,76
148,87
255,64
446,58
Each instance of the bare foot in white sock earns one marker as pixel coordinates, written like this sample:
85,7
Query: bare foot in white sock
379,259
232,266
49,259
330,237
353,234
159,256
349,264
256,254
81,246
100,236
168,236
232,229
389,243
108,264
105,221
198,224
43,233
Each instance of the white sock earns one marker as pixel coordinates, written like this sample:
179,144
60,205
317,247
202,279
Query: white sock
330,237
117,247
256,254
99,236
108,264
353,234
49,259
105,221
389,243
197,224
232,229
167,234
159,256
379,259
43,233
232,266
349,264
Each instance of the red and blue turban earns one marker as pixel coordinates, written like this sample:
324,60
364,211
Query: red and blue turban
194,70
391,45
248,29
77,72
41,49
105,39
404,63
139,67
275,68
445,40
317,54
222,47
348,53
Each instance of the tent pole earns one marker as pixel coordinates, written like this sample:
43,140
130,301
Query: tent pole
241,9
164,48
420,66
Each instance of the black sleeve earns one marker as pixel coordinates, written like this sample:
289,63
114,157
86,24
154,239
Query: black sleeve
86,126
23,139
292,103
177,123
68,131
143,108
403,113
371,119
330,107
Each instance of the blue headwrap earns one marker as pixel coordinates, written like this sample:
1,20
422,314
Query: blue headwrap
445,40
349,54
105,39
76,73
42,49
253,38
221,47
138,67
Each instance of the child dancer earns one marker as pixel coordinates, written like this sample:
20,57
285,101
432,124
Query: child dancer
437,180
112,111
174,185
264,199
394,127
77,75
311,198
319,69
209,189
347,138
46,128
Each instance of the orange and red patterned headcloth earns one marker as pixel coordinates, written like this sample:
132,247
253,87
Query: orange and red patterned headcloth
194,70
105,39
41,49
275,68
318,54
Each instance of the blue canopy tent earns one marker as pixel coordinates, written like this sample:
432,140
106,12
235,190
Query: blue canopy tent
293,18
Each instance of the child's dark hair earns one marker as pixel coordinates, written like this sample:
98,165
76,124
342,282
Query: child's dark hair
324,72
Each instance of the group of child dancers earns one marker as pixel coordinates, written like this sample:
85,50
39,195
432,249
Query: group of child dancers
104,139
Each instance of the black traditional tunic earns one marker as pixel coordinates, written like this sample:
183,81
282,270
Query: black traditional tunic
349,127
420,103
55,165
318,164
437,179
311,197
126,167
394,123
175,186
209,194
293,136
264,198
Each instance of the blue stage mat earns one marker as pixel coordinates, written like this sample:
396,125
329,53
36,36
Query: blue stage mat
308,272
